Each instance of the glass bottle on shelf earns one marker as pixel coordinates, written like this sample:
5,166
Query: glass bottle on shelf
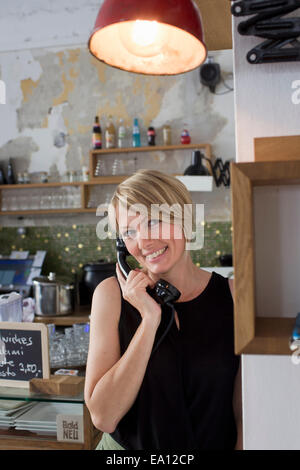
185,136
2,177
20,178
121,134
151,135
136,136
167,135
26,178
97,134
10,173
110,134
85,173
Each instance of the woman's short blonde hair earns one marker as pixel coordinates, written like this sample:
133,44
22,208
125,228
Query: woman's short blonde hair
155,190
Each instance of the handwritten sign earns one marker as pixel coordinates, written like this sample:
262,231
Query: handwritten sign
24,353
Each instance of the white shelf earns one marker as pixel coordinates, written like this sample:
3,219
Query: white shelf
225,271
197,183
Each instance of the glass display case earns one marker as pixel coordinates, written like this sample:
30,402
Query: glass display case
37,421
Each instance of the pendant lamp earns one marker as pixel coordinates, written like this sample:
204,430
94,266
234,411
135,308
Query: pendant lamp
153,37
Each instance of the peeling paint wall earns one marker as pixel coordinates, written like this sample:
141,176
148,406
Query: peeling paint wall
54,91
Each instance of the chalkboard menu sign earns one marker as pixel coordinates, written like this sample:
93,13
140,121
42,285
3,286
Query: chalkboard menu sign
24,353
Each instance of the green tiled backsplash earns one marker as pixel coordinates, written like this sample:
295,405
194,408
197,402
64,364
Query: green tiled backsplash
69,248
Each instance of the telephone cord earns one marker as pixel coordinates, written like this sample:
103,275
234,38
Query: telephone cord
168,327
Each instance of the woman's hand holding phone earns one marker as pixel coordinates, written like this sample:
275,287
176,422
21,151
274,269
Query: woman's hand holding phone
134,291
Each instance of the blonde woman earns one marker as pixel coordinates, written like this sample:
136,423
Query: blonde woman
185,394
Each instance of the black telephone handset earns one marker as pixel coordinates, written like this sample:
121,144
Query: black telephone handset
163,292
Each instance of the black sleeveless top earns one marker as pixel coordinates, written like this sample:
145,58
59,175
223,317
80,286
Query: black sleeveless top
185,400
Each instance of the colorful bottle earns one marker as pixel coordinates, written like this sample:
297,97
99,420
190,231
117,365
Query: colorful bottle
151,135
185,137
121,134
110,134
97,134
136,136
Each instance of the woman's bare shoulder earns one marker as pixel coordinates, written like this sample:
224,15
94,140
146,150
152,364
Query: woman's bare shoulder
107,296
109,283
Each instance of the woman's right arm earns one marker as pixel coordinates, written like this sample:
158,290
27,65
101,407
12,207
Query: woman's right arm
113,381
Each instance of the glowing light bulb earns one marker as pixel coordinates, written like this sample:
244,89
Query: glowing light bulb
144,33
143,38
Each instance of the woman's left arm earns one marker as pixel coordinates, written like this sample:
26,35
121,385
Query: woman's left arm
237,399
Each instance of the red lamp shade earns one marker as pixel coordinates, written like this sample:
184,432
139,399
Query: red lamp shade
154,37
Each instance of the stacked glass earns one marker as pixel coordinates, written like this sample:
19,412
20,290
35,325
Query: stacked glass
68,349
57,349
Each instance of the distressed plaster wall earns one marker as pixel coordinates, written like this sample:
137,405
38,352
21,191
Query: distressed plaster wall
54,88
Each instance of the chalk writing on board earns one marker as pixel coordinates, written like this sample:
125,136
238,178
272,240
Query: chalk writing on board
20,354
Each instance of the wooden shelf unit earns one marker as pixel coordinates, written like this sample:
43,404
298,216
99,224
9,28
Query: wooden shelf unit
80,315
94,181
94,154
153,148
255,334
80,210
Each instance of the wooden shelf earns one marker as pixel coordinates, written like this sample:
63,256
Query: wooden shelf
273,148
151,148
86,185
271,336
41,185
259,285
114,180
108,179
47,211
81,315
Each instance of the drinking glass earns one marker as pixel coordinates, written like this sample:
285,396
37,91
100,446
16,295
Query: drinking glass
72,350
100,169
129,166
14,203
77,198
81,336
117,167
4,204
57,352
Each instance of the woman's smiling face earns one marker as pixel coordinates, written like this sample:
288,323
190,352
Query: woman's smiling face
155,244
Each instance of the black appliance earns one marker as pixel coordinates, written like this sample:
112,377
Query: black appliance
93,274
